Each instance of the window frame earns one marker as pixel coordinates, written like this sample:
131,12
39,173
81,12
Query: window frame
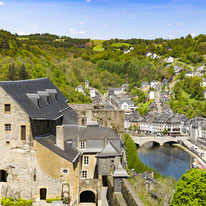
82,145
5,111
86,160
6,126
84,174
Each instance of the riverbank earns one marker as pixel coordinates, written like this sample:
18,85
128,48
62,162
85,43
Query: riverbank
191,153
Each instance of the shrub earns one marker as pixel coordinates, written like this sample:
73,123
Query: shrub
2,200
53,199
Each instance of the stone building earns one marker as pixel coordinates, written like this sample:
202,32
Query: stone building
30,112
44,152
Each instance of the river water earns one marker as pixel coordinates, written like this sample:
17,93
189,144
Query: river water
167,160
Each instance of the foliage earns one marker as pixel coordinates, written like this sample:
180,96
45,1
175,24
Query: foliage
98,48
188,97
132,157
53,199
191,189
11,202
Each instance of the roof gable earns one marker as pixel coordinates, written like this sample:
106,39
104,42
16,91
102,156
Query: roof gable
109,150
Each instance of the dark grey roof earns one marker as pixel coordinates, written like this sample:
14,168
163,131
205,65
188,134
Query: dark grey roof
28,92
69,153
89,133
109,150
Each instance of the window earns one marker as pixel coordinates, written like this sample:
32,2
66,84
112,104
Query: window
84,174
7,108
86,160
23,132
82,145
48,100
7,127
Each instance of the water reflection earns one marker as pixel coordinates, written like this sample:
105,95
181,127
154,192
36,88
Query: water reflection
168,160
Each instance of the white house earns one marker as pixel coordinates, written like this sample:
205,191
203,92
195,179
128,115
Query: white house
127,105
151,95
154,56
153,83
170,60
189,74
203,82
80,88
148,54
205,93
200,69
92,92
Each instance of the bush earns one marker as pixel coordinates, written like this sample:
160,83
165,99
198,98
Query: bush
11,202
53,199
2,200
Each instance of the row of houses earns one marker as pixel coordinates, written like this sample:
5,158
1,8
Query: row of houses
120,98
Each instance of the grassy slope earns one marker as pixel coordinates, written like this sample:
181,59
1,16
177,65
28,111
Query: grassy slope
98,48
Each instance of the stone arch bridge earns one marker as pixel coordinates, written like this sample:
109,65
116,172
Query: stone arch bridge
155,139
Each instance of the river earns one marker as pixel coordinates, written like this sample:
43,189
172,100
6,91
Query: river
167,160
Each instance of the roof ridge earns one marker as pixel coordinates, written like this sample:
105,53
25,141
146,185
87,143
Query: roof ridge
25,80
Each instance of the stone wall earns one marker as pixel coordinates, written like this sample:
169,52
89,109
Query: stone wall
129,194
105,117
106,164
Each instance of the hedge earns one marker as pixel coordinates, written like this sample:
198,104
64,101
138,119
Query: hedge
11,202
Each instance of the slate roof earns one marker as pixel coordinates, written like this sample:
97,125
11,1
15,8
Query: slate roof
26,92
129,102
73,132
69,153
109,150
120,172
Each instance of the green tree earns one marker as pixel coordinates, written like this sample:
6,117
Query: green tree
165,131
23,73
11,75
190,189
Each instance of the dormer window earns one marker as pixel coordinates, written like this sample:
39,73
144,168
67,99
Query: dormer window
56,97
82,145
38,103
7,108
48,100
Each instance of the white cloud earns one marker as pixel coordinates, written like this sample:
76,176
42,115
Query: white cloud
81,23
105,25
74,31
88,0
179,24
193,35
171,36
1,3
169,24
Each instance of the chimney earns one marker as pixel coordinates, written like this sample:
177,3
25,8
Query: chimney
60,136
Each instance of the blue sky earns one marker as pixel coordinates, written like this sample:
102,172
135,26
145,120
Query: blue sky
105,19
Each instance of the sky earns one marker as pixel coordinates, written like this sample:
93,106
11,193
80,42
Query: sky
105,19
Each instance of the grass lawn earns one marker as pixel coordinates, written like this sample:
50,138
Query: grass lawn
23,38
98,48
120,45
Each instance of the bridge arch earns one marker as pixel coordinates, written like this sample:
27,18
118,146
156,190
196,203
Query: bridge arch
170,142
151,143
87,196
